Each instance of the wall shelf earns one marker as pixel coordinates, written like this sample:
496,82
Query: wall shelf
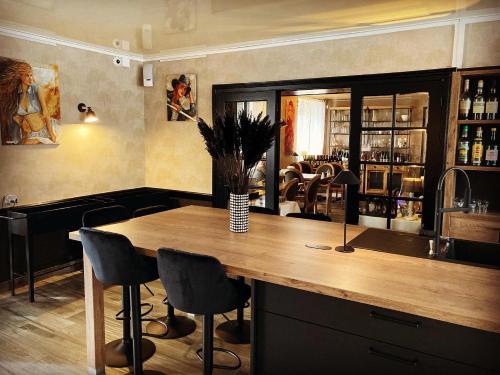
479,122
478,168
474,227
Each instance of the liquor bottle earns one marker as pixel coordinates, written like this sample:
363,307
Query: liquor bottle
478,103
477,147
491,107
465,102
491,154
463,147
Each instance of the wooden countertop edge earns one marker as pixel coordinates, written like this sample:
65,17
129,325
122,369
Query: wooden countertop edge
445,316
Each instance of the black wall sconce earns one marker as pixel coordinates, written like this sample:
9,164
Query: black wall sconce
89,115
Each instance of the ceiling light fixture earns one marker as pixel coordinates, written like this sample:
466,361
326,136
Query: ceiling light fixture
89,115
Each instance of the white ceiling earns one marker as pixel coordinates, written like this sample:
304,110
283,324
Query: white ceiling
190,24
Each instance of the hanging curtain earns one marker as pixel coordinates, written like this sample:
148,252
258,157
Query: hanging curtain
310,126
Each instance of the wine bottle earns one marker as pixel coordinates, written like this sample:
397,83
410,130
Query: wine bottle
491,154
477,147
465,102
463,147
478,104
491,107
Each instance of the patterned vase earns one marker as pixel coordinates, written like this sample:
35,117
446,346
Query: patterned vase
238,211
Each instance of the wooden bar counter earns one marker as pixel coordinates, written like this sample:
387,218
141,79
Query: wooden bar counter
404,292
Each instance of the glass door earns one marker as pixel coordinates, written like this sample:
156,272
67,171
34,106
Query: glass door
263,188
392,165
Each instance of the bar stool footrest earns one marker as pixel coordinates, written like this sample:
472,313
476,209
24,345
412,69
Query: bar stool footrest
199,354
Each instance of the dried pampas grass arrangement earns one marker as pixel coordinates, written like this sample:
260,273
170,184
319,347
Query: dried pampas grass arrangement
238,143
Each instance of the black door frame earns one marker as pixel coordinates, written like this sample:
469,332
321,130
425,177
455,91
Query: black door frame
436,138
219,193
436,79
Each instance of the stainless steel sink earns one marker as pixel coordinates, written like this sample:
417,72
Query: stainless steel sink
460,251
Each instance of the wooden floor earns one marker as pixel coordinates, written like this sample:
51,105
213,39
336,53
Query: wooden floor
48,337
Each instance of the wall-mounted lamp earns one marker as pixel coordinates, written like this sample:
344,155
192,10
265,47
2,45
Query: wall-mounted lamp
89,115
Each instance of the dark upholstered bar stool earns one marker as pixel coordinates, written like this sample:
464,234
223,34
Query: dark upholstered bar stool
198,284
169,326
118,352
116,262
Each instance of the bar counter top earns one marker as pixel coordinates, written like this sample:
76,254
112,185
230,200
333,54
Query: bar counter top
274,251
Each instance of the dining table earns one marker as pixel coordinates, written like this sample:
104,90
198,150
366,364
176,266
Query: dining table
282,252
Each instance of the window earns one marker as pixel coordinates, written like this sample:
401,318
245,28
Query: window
310,126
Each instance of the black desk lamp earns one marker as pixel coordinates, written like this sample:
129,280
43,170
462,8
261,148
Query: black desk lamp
346,177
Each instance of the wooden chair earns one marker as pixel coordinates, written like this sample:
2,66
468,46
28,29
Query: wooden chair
292,173
290,190
325,185
336,188
311,195
306,167
297,166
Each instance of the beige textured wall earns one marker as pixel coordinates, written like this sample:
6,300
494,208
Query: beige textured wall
175,156
91,158
482,44
133,144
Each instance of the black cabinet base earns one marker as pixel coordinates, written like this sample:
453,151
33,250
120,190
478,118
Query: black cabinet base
298,333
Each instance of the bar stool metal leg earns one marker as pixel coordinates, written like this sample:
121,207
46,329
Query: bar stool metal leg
208,344
208,347
119,352
135,308
235,331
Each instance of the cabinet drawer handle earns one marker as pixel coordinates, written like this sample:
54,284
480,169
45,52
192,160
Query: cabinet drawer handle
406,361
376,315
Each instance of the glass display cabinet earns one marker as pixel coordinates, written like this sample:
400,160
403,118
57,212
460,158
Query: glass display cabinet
392,160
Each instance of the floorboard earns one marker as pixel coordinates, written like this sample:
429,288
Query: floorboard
48,337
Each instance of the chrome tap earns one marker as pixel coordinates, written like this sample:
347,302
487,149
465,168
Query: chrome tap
435,248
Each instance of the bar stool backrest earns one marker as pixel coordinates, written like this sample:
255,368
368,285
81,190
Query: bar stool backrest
115,260
196,283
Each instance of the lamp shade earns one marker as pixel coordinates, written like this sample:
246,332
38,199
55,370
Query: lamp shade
346,177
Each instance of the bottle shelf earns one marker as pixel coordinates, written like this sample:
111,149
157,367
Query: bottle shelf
489,216
395,163
479,122
388,128
480,168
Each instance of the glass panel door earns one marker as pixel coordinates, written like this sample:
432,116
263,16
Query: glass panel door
262,189
392,160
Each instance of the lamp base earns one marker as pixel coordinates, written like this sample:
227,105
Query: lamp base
344,249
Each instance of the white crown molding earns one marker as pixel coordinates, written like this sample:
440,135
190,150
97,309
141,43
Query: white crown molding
53,40
201,52
324,36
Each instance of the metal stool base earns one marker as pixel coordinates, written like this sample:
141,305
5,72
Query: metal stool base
199,353
164,328
119,354
234,332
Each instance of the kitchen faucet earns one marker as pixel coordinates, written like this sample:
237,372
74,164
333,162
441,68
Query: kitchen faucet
439,209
